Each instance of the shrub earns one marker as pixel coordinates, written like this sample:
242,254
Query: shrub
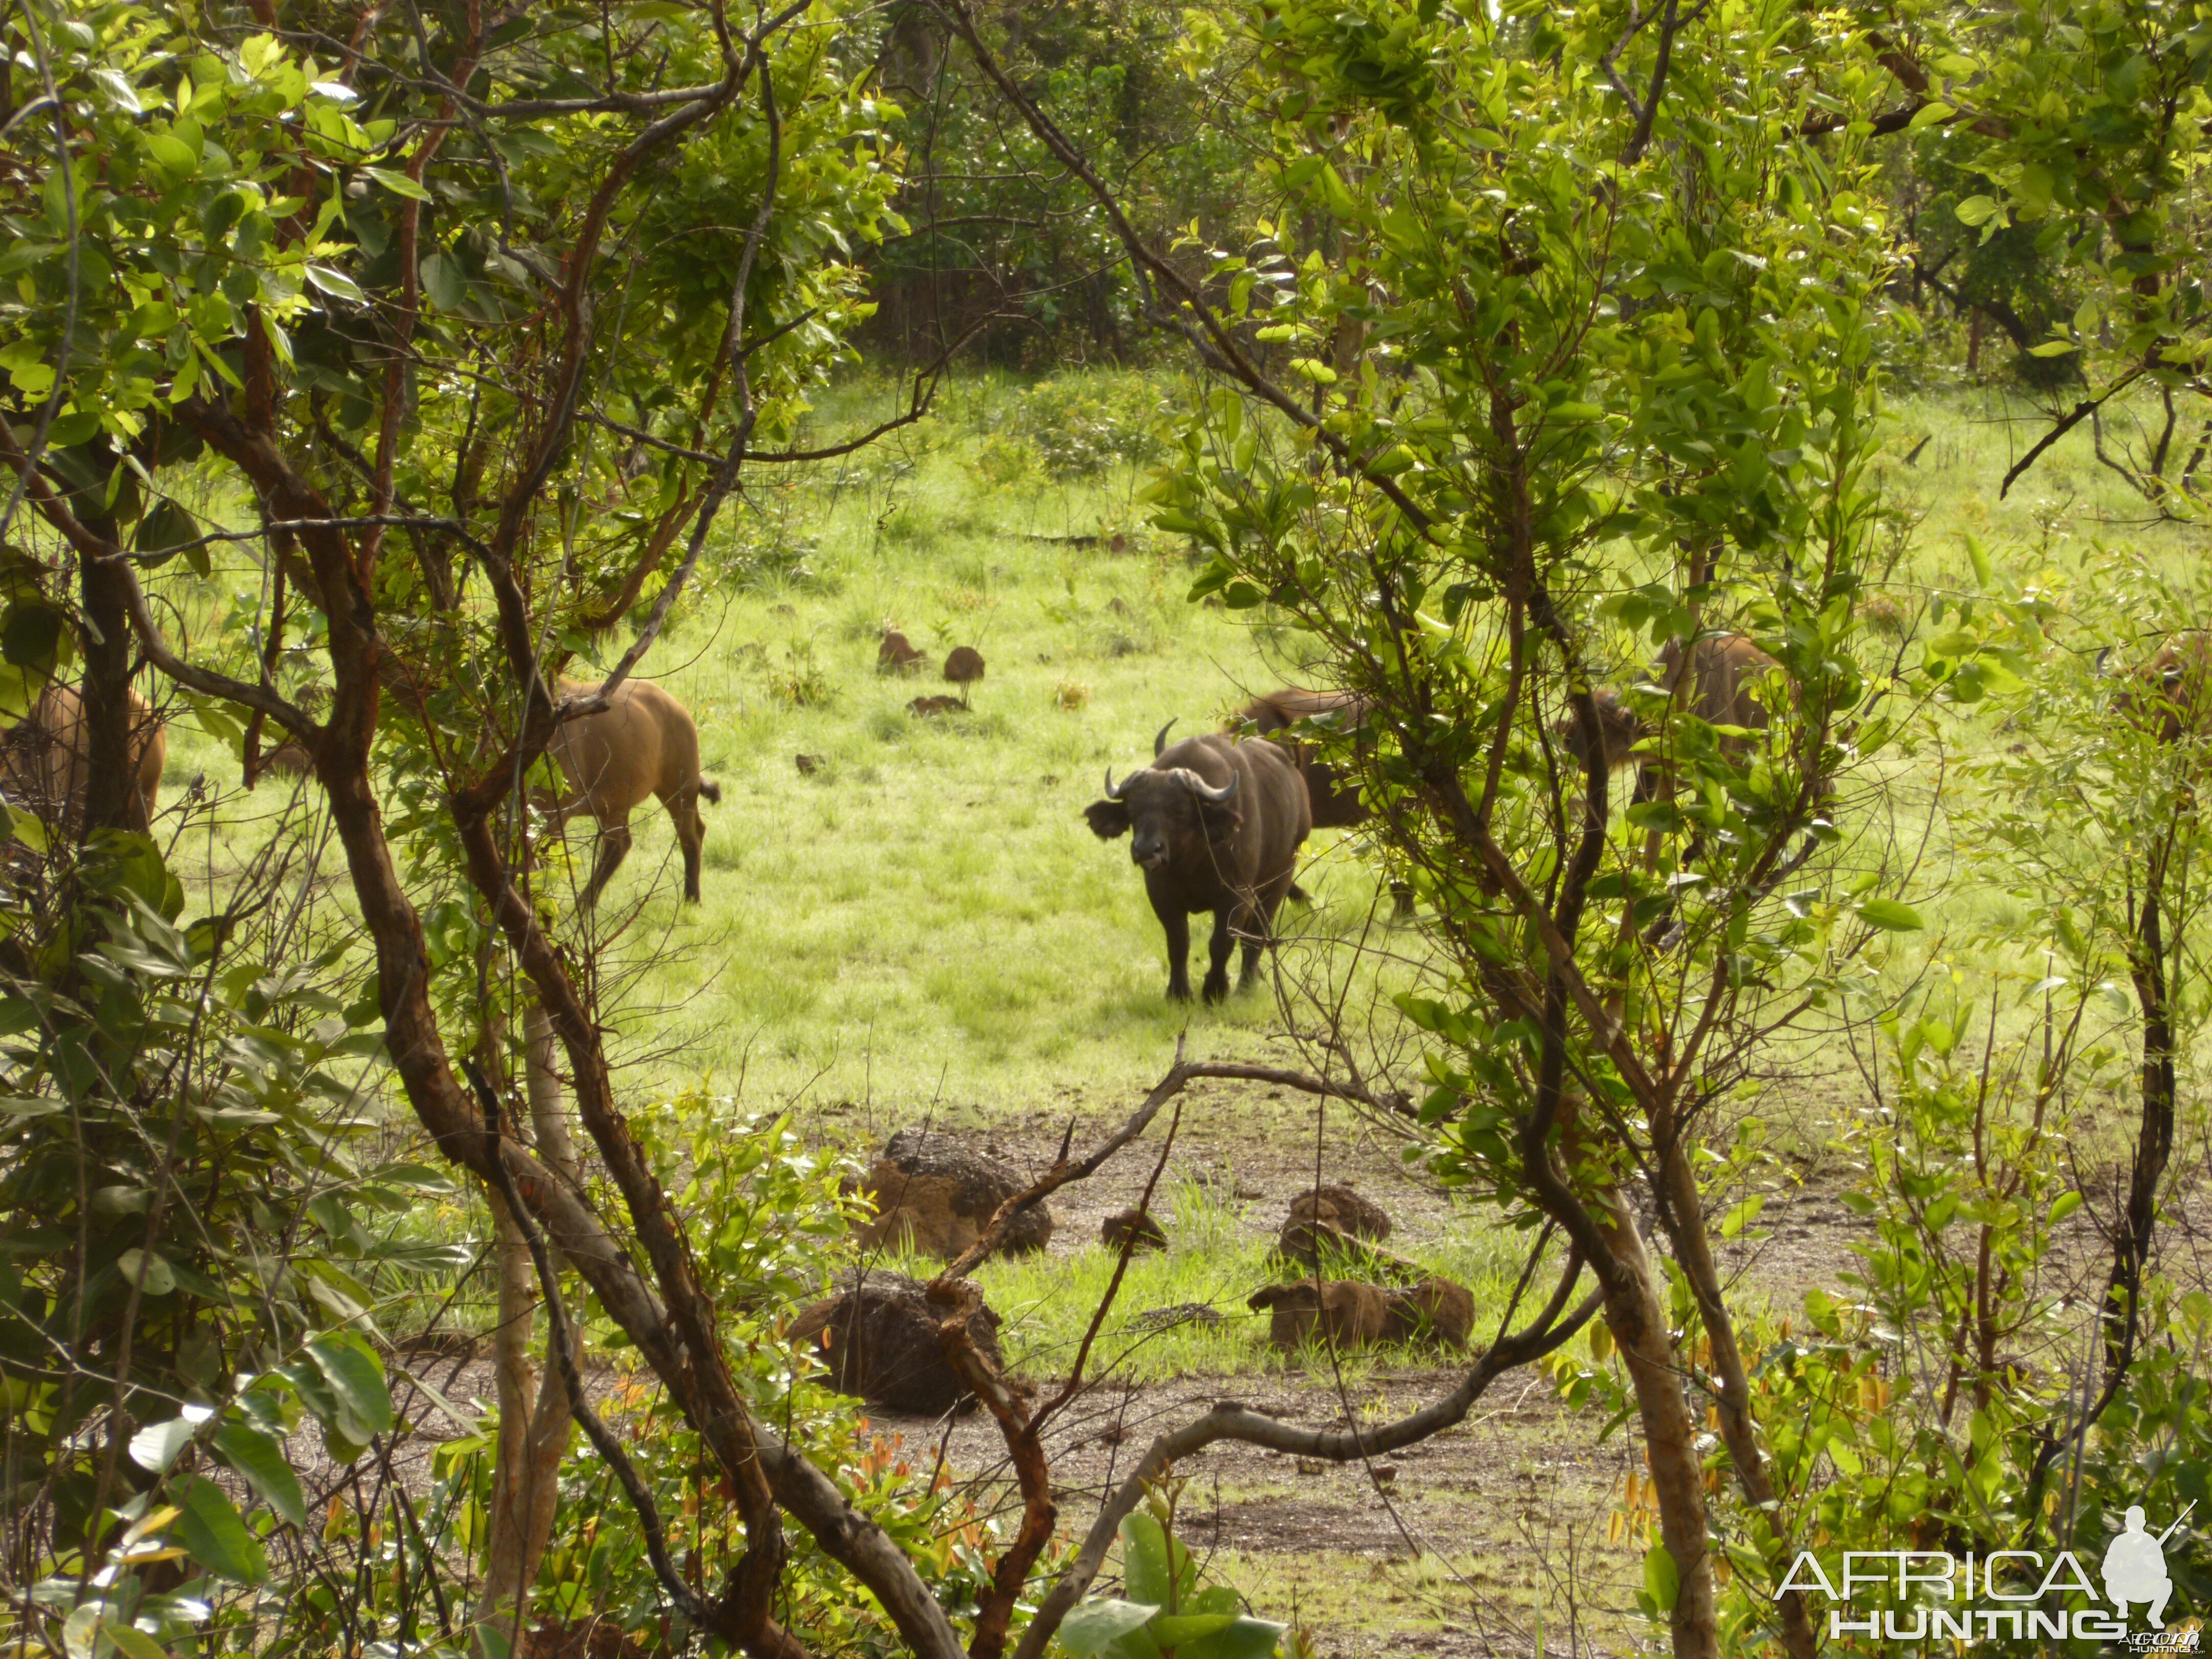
1081,426
800,682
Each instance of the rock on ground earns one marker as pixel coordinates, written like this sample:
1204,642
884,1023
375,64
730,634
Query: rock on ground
1344,1313
940,1194
1123,1223
1343,1209
879,1340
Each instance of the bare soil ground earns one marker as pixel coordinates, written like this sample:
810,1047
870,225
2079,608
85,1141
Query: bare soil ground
1449,1547
1489,1539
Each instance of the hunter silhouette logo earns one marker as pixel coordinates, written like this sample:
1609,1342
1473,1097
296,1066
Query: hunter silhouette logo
2135,1567
1932,1596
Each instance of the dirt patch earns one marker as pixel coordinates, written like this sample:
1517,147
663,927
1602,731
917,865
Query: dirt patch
1444,1544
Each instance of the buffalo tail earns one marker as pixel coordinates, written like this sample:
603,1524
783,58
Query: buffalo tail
711,790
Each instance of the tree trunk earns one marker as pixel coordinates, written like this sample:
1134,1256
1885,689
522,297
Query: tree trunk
2132,1239
1684,1214
1635,1312
1973,339
535,1423
105,731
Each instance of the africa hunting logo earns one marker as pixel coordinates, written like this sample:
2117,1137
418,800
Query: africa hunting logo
2000,1596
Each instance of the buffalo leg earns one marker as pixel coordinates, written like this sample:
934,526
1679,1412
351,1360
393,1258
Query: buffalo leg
1177,925
614,848
1217,950
691,835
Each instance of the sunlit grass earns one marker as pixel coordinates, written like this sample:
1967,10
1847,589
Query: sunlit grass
924,917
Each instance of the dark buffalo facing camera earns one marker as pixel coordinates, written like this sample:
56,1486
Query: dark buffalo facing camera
1215,825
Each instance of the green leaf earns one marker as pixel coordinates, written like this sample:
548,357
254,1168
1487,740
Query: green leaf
119,92
165,531
1977,209
261,1461
147,1270
343,1228
1248,1638
349,1366
81,1631
31,635
1661,1583
1742,1215
1891,917
443,281
2065,1205
1146,1551
1334,192
1096,1625
171,155
130,1640
1930,113
398,184
155,1447
16,824
209,1528
1979,556
336,284
2051,349
1174,1631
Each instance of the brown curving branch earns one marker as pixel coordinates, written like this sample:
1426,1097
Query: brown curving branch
2066,423
1231,1420
658,1314
1021,1430
725,1618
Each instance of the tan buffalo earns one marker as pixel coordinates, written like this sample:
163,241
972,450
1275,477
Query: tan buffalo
1724,668
2173,692
643,744
45,762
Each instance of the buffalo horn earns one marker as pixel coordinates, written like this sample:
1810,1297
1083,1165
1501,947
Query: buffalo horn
1203,790
1112,793
1160,740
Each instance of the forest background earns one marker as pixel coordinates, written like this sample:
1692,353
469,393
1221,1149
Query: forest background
382,380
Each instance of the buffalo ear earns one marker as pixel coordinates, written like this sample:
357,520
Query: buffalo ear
1108,819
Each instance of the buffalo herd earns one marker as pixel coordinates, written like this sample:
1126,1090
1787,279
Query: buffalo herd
1215,822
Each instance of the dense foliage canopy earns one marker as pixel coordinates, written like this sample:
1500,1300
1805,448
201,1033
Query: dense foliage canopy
1540,349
